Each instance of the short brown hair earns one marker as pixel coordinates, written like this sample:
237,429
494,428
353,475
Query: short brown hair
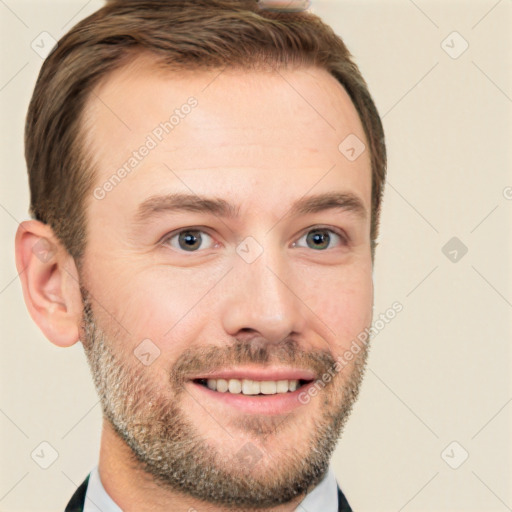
199,34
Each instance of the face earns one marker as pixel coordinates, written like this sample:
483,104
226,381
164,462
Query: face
227,270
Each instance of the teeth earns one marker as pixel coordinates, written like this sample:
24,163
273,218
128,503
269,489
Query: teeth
235,386
268,387
252,387
222,385
282,386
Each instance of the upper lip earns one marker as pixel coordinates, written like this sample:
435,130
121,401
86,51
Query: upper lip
255,373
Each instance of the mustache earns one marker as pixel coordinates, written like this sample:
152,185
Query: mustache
208,359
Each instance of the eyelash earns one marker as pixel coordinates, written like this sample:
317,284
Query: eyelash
344,240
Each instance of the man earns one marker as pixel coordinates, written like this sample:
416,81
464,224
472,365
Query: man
206,180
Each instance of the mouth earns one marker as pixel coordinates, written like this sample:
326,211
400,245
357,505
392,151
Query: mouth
255,391
251,387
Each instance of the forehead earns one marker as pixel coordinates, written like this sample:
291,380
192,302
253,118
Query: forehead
261,127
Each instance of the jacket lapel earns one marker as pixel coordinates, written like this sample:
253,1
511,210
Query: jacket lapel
76,503
343,505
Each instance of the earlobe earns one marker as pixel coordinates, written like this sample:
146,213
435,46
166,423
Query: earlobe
50,282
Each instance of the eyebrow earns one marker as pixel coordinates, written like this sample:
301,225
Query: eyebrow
177,202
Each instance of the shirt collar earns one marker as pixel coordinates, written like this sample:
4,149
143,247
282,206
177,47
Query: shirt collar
323,498
96,498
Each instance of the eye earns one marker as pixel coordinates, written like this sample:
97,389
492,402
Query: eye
321,239
189,240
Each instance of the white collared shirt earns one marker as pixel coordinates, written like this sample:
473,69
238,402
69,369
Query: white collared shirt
323,498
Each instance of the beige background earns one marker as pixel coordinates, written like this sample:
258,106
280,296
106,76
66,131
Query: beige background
439,372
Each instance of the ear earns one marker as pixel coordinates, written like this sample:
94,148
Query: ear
50,282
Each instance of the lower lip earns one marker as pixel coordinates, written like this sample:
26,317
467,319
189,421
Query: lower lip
280,403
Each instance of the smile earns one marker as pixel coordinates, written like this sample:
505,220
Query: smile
254,390
252,387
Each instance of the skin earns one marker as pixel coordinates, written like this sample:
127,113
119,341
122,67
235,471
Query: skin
259,140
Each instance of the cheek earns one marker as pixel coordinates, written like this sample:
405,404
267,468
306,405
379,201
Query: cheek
165,306
344,303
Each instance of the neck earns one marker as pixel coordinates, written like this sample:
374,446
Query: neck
132,489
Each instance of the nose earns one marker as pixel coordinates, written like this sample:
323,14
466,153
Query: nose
258,299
